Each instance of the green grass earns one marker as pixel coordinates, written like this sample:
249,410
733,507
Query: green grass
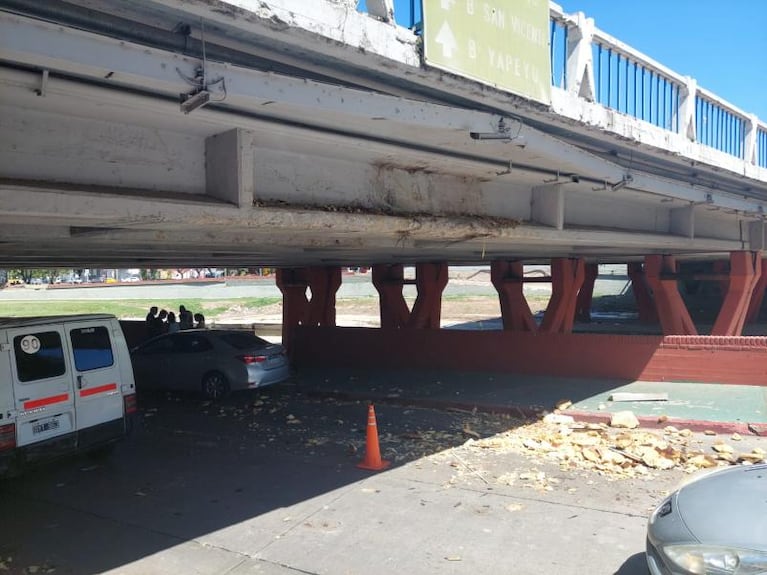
211,309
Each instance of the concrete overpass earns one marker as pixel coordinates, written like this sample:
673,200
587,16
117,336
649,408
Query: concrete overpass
308,135
327,141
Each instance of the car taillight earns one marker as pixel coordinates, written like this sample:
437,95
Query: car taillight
249,359
129,401
7,436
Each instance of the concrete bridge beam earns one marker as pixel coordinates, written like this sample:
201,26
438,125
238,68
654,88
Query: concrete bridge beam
230,167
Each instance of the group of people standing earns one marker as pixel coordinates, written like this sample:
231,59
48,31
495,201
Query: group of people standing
163,321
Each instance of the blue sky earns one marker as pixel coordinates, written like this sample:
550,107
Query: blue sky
721,43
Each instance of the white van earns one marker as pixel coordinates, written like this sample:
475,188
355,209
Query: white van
66,385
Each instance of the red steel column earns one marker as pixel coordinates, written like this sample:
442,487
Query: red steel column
295,306
720,267
431,280
388,279
507,278
323,283
672,312
642,296
586,293
744,276
758,296
566,280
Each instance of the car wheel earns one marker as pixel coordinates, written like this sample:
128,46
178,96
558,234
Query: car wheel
214,385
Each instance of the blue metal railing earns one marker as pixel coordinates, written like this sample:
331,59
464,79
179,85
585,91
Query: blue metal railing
718,128
633,88
624,82
761,147
558,48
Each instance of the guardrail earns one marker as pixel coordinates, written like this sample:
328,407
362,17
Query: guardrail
599,68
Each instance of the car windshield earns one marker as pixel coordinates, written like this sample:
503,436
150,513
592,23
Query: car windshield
244,340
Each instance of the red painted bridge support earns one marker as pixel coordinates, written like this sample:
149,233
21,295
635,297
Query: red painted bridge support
642,295
745,271
586,293
739,284
508,279
389,280
566,280
431,279
297,309
758,296
672,312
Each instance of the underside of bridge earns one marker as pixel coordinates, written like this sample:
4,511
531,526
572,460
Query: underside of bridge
170,133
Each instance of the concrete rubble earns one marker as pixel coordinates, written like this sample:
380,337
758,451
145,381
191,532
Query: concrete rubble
617,451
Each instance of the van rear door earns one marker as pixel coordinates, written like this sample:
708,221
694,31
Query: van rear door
98,396
43,384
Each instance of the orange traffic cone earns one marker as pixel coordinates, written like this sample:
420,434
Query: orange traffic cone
372,459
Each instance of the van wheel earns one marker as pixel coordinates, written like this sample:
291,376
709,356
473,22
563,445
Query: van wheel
214,385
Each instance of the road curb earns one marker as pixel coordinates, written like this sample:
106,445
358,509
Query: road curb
532,412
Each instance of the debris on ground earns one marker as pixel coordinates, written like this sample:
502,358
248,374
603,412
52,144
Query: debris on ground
625,419
615,451
626,396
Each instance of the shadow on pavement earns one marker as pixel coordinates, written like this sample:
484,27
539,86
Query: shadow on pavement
197,472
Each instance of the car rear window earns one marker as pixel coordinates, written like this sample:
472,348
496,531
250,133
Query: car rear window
39,355
244,340
91,347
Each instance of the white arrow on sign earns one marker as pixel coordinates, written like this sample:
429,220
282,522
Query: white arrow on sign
446,4
447,39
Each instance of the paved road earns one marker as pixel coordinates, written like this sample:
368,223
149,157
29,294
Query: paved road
266,483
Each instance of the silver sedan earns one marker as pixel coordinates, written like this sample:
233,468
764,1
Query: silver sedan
213,362
715,525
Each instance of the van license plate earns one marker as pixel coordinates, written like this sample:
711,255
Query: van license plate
47,425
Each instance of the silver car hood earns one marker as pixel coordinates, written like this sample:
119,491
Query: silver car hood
728,507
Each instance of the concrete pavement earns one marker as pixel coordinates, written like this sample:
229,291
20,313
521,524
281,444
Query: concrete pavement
697,406
238,489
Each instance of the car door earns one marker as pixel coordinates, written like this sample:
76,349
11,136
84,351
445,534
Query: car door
97,373
194,357
43,383
151,364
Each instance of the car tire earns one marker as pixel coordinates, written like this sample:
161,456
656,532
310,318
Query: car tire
215,386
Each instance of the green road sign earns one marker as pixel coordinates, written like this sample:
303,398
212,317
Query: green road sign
504,43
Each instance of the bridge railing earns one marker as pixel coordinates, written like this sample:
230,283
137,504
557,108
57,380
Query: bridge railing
599,68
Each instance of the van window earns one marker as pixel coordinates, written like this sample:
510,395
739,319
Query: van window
91,348
38,355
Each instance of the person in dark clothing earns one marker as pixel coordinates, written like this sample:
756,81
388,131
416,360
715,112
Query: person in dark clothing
153,322
184,318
